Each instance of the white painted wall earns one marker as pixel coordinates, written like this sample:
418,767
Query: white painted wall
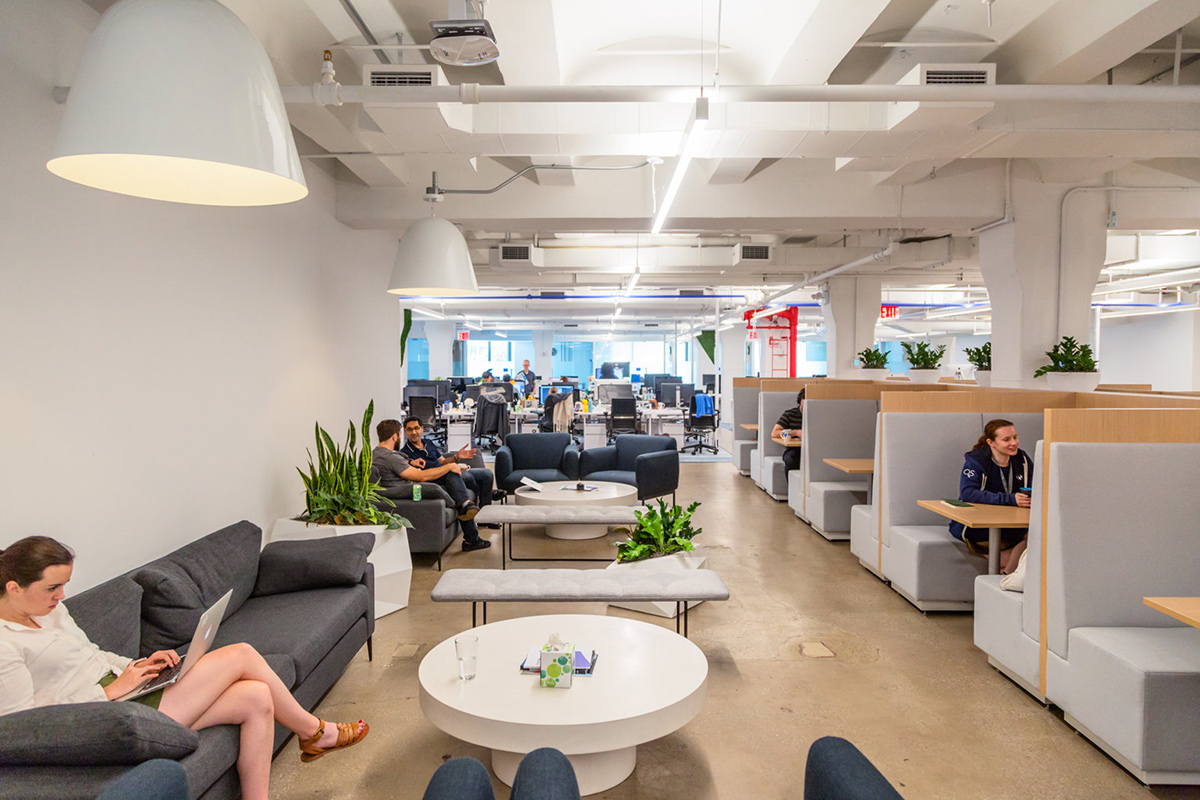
164,364
1160,350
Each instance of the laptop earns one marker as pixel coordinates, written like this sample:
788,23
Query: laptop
206,632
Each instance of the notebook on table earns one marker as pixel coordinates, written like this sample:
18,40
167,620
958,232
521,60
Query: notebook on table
206,632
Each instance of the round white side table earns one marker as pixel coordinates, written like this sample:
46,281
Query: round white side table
561,493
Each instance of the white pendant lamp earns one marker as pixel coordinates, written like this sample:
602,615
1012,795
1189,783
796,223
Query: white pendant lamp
176,100
433,260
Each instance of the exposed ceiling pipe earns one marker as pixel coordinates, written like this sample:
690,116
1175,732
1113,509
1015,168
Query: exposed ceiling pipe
473,93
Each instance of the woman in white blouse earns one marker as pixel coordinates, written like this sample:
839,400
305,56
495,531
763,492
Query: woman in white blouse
46,659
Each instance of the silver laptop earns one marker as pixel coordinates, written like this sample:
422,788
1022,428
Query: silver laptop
206,631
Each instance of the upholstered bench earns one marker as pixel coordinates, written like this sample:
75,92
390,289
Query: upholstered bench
579,586
508,515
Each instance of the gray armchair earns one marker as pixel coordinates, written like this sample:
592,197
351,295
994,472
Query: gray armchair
651,463
538,456
433,516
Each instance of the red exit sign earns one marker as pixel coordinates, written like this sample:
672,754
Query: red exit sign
753,334
888,312
464,335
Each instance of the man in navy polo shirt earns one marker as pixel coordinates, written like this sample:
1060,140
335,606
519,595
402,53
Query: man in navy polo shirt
424,454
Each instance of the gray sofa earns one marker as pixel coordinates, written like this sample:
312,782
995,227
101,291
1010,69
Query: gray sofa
307,606
651,463
542,457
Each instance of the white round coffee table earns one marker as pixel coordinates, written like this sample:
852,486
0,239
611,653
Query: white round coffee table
648,682
564,493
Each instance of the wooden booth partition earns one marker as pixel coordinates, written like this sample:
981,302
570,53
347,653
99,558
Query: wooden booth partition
1128,400
1141,425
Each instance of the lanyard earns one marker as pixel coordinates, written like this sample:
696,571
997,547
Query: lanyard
1006,478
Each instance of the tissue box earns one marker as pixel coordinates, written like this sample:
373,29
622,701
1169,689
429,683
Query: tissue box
558,668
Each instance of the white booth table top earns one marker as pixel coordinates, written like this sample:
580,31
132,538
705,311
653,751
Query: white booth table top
648,682
553,493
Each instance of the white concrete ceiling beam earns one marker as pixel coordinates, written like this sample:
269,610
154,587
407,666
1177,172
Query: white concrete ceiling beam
721,171
1077,40
826,38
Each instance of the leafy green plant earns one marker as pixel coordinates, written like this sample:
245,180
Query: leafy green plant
708,340
337,488
659,532
980,357
1068,356
923,355
873,359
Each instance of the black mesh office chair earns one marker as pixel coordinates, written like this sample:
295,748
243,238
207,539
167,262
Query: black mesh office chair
425,409
491,421
701,427
622,416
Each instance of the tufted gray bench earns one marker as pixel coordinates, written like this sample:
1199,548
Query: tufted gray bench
508,515
579,586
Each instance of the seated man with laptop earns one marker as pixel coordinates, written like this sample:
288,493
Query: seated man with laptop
46,659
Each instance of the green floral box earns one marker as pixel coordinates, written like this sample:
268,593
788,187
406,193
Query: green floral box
558,668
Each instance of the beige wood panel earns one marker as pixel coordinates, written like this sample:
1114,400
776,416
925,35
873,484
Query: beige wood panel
1128,400
744,382
978,400
1125,387
789,384
854,466
863,390
1184,609
1105,425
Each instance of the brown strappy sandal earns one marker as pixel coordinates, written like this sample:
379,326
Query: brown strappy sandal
346,736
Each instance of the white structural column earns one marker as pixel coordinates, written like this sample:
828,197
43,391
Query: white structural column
543,353
440,335
1037,297
851,312
731,356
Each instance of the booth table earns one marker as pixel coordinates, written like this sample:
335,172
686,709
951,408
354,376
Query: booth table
648,682
788,442
980,515
749,426
1184,609
854,466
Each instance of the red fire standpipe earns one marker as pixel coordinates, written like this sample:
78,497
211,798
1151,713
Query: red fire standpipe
788,314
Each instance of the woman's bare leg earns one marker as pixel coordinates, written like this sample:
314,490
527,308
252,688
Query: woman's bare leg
220,669
1014,556
246,704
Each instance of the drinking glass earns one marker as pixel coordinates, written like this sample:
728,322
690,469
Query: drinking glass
467,649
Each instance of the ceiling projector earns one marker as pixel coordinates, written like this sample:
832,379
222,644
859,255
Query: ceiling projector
463,42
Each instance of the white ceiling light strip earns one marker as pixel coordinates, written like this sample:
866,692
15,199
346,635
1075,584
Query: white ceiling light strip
691,134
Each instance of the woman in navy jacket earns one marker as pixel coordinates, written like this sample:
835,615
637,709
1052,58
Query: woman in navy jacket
993,472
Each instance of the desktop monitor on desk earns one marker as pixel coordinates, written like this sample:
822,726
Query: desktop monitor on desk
497,388
607,390
674,393
659,380
613,369
560,388
411,391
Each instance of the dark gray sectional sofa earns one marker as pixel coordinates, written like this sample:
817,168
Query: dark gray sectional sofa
307,606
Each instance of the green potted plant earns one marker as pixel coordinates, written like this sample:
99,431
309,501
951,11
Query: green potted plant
1072,367
338,500
874,364
981,360
661,541
924,361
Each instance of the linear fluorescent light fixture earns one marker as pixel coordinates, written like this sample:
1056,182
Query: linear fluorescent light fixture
976,308
427,313
472,326
632,282
769,311
1151,312
691,133
1158,281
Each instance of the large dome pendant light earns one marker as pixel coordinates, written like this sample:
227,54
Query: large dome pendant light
433,261
176,100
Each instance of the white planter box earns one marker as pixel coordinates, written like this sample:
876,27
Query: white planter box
983,377
675,562
391,557
925,375
1073,381
875,374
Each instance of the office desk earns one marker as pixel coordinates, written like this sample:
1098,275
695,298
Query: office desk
788,442
979,515
1184,609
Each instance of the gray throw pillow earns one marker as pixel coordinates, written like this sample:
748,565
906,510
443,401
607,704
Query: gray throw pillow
91,734
294,566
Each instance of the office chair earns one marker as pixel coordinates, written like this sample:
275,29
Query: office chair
425,409
701,424
622,416
491,420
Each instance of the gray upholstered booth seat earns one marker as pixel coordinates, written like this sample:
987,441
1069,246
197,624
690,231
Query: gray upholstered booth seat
755,464
920,459
1122,525
864,536
835,429
829,504
796,493
742,451
1008,624
771,477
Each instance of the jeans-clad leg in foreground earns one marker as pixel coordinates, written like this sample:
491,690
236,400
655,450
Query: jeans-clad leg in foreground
454,485
791,458
544,774
481,482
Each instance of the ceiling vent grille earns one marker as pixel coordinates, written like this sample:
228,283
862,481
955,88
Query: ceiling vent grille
517,256
956,77
650,324
691,293
570,324
514,252
552,294
756,252
402,77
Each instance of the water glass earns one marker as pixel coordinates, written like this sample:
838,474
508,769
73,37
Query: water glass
467,649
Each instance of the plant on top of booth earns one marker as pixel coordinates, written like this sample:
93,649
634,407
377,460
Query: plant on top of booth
338,489
980,357
873,359
659,532
1069,356
923,355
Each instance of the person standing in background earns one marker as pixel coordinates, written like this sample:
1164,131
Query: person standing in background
526,374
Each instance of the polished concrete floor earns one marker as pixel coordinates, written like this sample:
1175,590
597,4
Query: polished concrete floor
909,689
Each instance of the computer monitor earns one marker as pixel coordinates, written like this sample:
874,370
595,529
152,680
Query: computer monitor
420,391
471,392
708,379
613,369
559,388
459,383
659,380
498,388
686,390
675,393
607,390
